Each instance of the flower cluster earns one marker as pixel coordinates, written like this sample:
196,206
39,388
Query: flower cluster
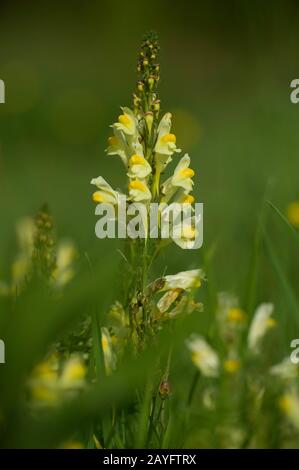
39,254
146,145
54,380
232,323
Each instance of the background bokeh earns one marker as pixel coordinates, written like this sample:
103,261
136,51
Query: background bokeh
226,69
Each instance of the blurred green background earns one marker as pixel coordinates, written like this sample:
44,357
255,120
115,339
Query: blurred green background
226,69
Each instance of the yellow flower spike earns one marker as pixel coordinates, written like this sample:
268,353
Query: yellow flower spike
236,315
136,184
98,197
169,138
186,173
137,160
292,213
231,365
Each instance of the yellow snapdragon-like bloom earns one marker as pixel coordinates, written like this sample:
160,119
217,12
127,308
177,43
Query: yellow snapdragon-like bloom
106,194
184,280
188,233
203,356
183,174
182,178
139,191
175,284
262,321
292,213
127,122
165,147
138,167
117,145
166,141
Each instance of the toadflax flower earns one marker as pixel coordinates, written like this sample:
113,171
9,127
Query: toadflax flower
48,387
184,280
262,321
166,142
64,271
289,406
285,370
117,145
175,284
105,193
182,178
127,122
203,356
139,191
138,167
108,351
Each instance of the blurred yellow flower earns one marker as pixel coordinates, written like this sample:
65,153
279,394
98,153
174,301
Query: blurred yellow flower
236,315
108,351
64,271
231,365
292,213
44,394
262,321
73,373
289,405
203,356
72,444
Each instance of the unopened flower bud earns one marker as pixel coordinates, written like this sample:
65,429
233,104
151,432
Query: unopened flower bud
140,86
151,82
145,63
157,106
164,390
136,101
149,121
